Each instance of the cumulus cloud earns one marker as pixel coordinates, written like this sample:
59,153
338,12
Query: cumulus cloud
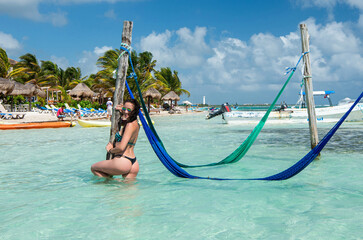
89,58
231,65
8,42
186,51
29,9
110,14
62,62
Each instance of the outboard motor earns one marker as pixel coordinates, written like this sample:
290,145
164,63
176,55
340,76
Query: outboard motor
224,108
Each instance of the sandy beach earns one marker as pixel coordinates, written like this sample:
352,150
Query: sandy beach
50,117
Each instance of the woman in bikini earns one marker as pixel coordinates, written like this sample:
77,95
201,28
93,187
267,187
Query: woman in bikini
124,161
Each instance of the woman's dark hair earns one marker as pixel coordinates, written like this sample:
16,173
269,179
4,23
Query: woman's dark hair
133,114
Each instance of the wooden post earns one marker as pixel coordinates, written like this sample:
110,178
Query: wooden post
118,96
314,140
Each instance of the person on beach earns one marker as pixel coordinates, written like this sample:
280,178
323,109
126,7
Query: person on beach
78,114
124,161
109,105
60,113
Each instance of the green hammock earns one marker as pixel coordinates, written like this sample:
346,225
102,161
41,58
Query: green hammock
244,147
241,150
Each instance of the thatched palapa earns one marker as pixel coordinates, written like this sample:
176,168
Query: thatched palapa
40,93
151,93
6,86
81,91
171,96
21,89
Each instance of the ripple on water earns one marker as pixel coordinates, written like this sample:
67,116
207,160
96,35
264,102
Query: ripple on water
46,186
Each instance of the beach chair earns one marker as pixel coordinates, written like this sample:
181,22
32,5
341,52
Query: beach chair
154,109
51,110
85,112
6,116
94,111
104,112
41,109
10,115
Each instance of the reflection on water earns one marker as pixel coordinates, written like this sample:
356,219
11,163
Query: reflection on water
49,192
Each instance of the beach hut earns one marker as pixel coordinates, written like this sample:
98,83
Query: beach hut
170,96
151,93
81,91
6,86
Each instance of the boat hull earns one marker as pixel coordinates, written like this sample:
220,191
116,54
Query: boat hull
36,125
90,123
325,114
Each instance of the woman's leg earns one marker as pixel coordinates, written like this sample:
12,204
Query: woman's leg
133,172
107,168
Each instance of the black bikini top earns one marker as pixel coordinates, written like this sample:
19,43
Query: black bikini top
118,138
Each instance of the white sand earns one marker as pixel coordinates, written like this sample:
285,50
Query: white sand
48,117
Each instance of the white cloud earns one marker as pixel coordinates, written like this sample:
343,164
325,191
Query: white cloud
100,51
110,14
62,62
231,66
29,9
8,42
89,58
187,50
91,1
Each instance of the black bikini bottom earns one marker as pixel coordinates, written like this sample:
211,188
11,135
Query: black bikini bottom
132,160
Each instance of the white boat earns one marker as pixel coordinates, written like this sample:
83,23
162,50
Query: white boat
299,114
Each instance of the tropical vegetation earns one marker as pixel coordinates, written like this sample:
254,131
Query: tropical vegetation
48,74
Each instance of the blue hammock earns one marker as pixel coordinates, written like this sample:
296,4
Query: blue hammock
168,162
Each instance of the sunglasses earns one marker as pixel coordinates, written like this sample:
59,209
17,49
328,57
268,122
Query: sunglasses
127,109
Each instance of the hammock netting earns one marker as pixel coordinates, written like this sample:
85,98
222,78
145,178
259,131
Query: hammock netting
175,167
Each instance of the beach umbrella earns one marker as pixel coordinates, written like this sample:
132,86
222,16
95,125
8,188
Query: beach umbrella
81,91
151,93
187,103
6,86
171,96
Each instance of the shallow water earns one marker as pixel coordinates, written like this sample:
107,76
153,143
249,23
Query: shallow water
48,192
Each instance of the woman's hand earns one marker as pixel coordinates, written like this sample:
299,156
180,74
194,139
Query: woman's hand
109,146
119,107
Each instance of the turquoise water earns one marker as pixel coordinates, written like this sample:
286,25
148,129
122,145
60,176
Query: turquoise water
48,192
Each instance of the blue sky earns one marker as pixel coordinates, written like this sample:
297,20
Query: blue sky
234,51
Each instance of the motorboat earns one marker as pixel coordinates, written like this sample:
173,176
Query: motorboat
298,113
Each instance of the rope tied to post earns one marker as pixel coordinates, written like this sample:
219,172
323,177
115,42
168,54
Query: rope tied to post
126,48
289,69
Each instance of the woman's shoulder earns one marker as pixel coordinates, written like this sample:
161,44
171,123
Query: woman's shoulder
133,125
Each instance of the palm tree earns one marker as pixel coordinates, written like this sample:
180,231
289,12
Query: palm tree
27,70
104,80
5,65
169,81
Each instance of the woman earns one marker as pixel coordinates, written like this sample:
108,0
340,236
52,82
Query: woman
124,161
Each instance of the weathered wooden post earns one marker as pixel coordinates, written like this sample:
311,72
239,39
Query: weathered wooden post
314,140
118,96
